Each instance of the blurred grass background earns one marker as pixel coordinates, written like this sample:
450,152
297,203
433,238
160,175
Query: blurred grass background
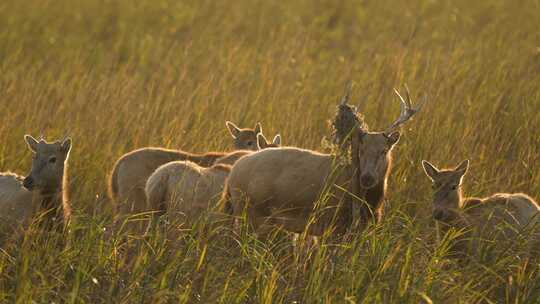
119,75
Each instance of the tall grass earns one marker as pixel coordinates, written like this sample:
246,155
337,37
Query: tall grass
118,75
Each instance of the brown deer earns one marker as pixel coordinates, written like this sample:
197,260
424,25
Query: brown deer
284,186
502,215
131,171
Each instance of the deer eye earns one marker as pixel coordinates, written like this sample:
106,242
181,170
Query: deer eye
52,160
454,187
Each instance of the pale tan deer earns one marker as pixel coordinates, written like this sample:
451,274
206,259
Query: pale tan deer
284,186
183,187
131,171
501,215
16,204
43,190
244,138
48,177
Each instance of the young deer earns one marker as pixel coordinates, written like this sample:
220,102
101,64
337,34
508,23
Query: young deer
131,171
244,138
185,189
282,186
502,215
43,190
48,177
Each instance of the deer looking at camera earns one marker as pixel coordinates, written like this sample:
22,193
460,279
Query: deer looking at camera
503,215
284,186
44,189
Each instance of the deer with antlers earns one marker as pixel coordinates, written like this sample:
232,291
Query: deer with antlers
303,190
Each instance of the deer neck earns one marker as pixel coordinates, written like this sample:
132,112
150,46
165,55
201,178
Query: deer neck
356,171
51,200
55,202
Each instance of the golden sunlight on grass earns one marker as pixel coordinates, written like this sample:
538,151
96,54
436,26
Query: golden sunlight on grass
119,75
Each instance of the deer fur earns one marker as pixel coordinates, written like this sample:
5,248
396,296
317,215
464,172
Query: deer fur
502,215
184,189
131,171
17,206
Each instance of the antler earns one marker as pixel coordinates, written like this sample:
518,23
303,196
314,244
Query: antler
346,120
407,111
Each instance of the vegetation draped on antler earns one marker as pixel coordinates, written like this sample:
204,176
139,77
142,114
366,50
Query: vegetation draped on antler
347,119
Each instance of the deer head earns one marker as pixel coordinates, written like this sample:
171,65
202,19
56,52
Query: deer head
371,151
48,162
447,193
244,138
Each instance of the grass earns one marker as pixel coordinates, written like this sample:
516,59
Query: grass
118,75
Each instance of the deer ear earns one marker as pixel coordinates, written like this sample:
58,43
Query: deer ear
66,145
31,142
277,140
431,171
393,138
262,143
462,168
258,128
233,129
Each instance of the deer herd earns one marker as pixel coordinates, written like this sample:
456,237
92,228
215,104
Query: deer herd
296,189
